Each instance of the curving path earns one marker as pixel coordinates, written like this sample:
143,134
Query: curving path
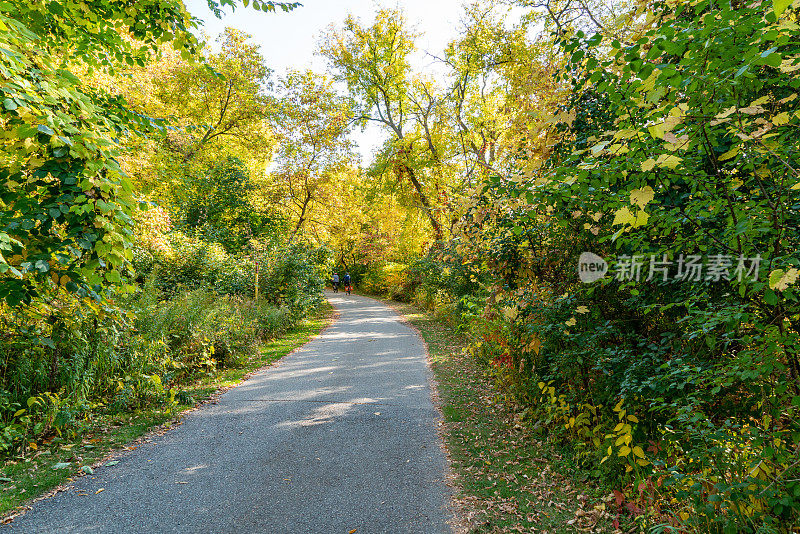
339,435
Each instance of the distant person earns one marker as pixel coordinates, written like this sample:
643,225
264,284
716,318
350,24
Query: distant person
335,281
346,281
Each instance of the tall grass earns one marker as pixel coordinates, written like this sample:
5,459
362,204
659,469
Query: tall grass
57,368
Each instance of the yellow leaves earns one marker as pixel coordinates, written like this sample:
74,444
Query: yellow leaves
567,117
779,6
623,216
761,470
674,142
625,134
510,313
648,164
726,113
571,322
626,216
729,154
789,65
637,451
642,196
752,110
668,160
658,130
624,451
781,280
533,346
781,119
570,423
582,310
598,148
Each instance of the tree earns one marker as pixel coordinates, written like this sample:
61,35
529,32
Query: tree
374,63
313,149
64,201
227,100
219,207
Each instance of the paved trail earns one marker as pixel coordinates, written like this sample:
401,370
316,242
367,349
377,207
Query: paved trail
338,436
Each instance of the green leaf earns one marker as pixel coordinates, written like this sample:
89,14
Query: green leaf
9,104
770,297
779,6
45,129
62,465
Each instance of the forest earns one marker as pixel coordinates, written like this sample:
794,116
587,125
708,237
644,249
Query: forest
602,197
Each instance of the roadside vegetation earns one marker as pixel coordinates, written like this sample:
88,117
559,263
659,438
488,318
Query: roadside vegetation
147,176
507,479
134,235
89,444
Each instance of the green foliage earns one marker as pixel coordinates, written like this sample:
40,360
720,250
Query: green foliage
64,201
680,142
55,374
217,207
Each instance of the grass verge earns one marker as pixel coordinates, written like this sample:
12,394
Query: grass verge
61,459
507,480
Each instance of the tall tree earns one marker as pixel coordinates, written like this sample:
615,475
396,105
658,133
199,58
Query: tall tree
310,122
374,63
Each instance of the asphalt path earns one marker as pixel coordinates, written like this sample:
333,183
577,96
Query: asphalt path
339,435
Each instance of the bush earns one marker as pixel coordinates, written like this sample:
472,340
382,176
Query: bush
389,280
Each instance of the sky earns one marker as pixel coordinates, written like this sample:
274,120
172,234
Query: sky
289,40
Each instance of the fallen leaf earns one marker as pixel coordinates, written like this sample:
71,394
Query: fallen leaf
98,491
112,462
62,465
88,470
352,531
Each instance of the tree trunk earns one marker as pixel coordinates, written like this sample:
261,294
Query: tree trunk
426,205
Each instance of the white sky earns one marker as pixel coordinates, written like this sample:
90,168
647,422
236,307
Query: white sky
290,39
